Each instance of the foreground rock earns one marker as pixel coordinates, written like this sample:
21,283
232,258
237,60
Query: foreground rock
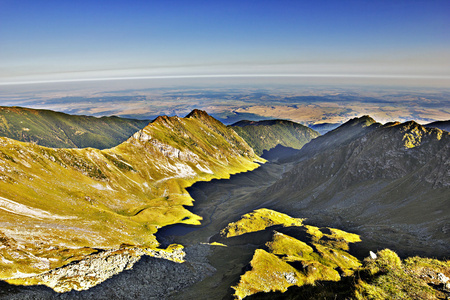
150,278
98,267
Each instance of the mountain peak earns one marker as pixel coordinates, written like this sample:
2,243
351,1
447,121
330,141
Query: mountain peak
365,121
198,113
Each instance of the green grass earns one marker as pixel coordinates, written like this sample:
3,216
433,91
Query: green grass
388,277
273,270
259,220
321,264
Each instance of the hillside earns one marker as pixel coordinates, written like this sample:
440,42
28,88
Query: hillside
342,135
265,135
54,129
381,180
71,203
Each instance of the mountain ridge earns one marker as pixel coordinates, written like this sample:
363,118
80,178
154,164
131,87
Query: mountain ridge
267,134
60,130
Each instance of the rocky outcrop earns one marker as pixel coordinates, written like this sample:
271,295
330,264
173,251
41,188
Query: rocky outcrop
167,150
96,268
150,278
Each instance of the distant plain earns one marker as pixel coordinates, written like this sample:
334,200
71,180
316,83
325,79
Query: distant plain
301,101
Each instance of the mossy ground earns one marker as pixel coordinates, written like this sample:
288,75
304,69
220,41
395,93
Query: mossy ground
388,277
258,220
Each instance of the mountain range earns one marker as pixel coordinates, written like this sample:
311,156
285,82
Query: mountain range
67,213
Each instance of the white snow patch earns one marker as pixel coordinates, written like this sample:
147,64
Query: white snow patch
21,209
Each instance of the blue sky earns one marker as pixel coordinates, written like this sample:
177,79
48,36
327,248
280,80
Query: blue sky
51,40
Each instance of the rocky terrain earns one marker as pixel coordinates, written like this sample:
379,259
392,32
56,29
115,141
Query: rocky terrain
442,125
149,278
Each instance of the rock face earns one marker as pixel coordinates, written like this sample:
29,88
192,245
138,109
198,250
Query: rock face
90,271
96,268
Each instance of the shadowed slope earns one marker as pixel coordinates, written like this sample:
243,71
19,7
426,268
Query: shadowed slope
386,180
442,125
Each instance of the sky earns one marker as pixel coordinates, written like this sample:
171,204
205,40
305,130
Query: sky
85,40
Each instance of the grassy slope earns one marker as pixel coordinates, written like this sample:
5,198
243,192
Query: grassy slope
318,265
69,201
258,220
265,135
55,129
318,256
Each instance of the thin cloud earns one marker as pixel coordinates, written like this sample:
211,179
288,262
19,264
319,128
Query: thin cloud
208,76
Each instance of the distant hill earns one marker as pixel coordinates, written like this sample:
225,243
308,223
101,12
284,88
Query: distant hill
59,130
324,127
265,135
442,125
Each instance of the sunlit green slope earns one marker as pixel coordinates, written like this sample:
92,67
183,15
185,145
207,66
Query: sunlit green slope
59,204
54,129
